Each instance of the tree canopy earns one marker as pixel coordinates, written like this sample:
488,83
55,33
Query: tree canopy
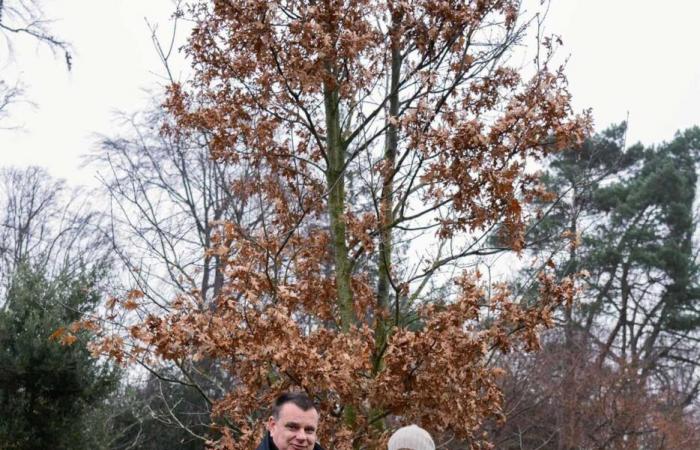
372,130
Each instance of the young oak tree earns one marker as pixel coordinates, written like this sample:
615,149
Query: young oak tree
377,130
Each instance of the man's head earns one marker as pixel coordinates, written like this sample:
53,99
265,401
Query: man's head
293,422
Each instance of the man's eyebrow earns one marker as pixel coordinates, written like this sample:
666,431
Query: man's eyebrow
292,423
295,424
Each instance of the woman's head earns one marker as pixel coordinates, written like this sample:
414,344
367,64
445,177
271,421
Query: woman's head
411,437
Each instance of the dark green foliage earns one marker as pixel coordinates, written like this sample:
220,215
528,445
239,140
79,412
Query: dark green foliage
626,352
574,176
633,211
48,390
646,233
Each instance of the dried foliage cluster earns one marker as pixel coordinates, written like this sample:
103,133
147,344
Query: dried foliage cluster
364,132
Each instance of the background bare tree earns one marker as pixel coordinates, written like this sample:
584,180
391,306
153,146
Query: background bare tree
47,224
166,197
26,18
9,94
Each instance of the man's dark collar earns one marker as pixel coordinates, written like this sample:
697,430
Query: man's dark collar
269,444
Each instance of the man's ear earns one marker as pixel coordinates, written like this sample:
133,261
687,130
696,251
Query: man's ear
270,423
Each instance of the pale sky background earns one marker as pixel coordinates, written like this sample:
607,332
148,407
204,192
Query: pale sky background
639,56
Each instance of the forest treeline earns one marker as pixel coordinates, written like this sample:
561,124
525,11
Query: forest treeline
619,366
374,208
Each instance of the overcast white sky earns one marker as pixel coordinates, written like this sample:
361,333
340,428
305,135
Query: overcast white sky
113,62
624,55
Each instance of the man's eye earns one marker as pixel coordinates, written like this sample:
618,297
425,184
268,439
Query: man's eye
292,427
310,430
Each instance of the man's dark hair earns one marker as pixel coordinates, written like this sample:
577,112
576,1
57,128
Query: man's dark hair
299,399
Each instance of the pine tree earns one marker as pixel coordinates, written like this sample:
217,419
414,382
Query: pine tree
49,381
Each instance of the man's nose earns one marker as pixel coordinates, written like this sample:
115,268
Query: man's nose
301,435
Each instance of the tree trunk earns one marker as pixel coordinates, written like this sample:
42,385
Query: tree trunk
386,208
336,203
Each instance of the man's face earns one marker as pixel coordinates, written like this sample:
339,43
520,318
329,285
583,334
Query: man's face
294,429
